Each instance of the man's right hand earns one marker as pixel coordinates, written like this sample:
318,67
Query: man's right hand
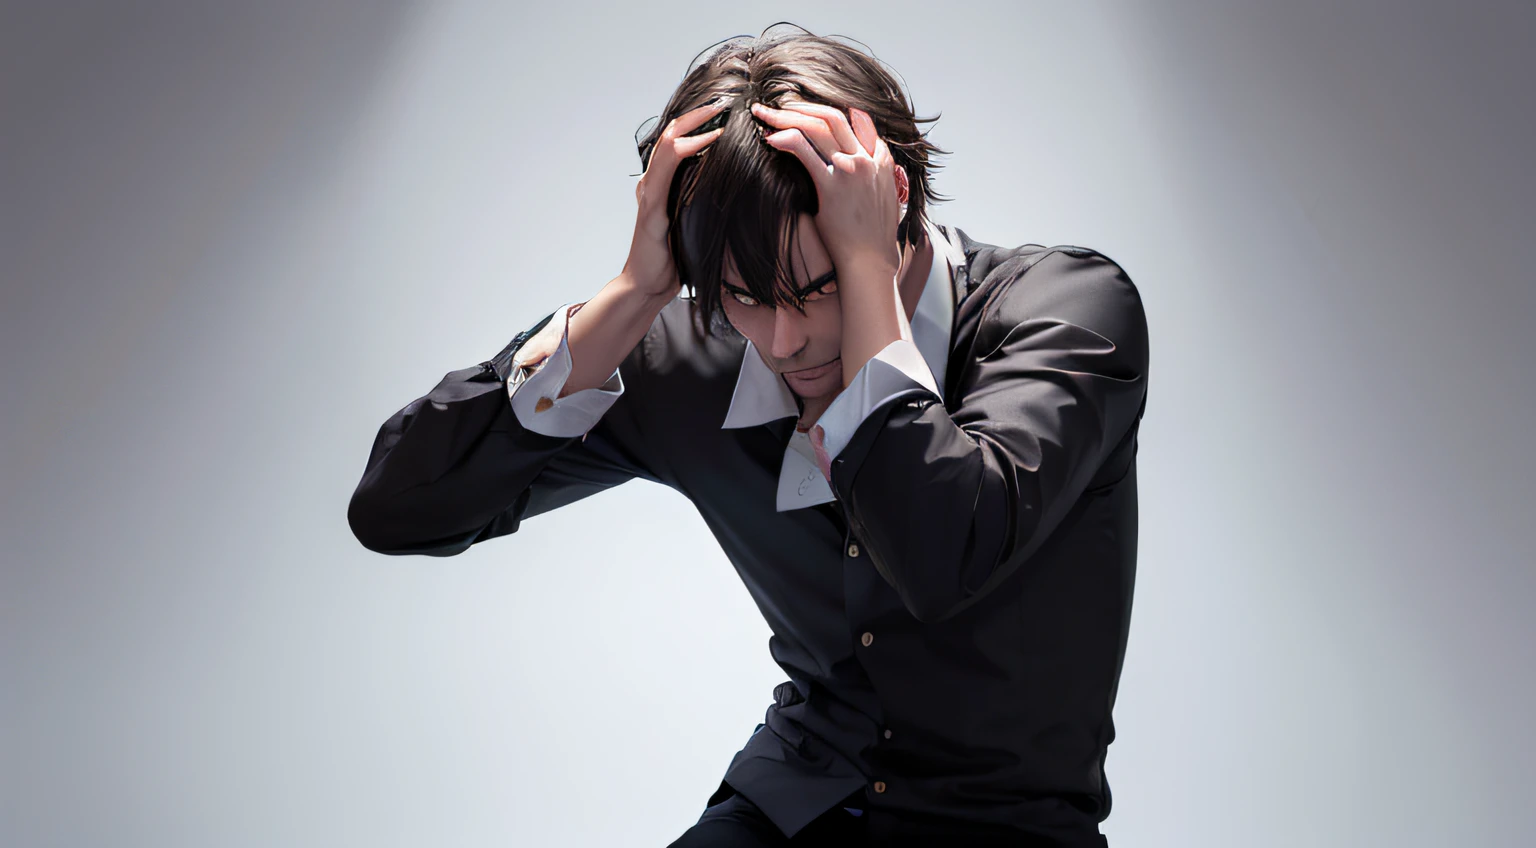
650,267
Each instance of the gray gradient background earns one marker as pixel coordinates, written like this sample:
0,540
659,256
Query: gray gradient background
235,238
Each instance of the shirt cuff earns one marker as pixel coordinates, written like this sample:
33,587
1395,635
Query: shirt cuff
898,368
535,389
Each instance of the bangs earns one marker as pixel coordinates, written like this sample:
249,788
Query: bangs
742,194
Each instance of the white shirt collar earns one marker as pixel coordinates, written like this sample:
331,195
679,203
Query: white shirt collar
762,396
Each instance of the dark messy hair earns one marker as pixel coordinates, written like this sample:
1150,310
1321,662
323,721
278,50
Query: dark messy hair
742,192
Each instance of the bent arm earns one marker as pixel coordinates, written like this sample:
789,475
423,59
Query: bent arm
950,504
495,443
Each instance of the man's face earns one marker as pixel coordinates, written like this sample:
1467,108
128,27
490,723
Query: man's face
804,348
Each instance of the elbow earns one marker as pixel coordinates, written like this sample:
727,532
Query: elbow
369,525
386,531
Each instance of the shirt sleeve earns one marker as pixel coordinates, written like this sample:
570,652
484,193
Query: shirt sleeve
949,504
534,390
457,467
899,368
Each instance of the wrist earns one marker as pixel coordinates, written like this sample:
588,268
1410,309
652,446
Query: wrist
867,265
870,299
868,284
872,316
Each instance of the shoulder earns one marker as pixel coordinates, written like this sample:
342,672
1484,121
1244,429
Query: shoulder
1066,284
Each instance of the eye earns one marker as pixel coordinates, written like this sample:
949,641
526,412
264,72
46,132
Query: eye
818,294
744,299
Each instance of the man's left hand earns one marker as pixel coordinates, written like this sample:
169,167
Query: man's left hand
854,175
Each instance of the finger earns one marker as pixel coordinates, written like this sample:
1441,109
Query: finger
663,165
794,141
882,154
695,117
670,150
835,121
674,144
685,147
887,164
864,130
814,128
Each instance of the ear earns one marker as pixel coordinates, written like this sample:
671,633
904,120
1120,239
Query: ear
901,184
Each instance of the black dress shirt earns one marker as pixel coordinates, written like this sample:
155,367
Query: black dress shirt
952,624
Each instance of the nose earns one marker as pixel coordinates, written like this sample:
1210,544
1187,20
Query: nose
789,332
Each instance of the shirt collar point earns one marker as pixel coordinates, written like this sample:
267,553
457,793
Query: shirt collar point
760,395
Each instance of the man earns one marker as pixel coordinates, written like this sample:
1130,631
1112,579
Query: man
918,453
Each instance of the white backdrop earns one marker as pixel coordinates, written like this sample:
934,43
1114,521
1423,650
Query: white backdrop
234,239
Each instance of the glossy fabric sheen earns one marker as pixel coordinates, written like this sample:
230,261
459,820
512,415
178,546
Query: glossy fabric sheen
995,533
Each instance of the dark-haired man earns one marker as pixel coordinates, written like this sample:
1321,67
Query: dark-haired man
920,459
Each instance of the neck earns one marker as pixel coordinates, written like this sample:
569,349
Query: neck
916,262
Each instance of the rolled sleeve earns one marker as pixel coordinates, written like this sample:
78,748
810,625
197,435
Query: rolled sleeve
896,371
534,390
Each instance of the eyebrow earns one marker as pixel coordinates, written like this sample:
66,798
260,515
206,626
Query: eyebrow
798,293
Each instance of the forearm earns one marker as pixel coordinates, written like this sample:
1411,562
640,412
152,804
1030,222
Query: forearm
873,316
606,329
444,470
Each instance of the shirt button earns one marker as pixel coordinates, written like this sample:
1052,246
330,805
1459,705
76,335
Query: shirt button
879,786
867,638
853,550
887,734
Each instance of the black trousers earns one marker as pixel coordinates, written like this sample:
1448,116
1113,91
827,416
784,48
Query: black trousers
738,823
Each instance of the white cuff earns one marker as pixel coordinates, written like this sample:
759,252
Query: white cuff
898,367
535,389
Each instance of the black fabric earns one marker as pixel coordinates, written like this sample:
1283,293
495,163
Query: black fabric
730,819
995,534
